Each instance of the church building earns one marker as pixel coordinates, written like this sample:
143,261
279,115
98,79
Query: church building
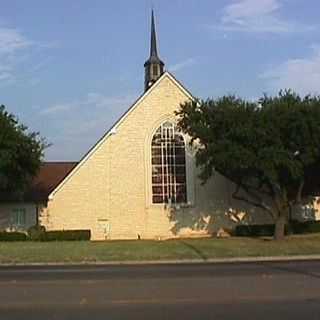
139,181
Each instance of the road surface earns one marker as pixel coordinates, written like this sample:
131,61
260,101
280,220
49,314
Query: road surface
277,290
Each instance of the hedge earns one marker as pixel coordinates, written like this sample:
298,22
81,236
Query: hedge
255,230
67,235
267,230
39,234
305,227
13,236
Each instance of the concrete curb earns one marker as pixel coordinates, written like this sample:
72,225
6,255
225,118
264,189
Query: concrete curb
170,262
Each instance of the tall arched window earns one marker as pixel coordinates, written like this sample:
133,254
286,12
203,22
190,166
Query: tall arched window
168,161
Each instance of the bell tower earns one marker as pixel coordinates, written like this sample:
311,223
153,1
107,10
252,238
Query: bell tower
153,67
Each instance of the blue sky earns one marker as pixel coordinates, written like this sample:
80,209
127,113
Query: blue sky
69,69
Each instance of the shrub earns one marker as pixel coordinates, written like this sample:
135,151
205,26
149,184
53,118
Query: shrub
67,235
305,227
13,236
37,233
267,230
257,230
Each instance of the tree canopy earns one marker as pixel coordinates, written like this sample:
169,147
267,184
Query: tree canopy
21,153
269,149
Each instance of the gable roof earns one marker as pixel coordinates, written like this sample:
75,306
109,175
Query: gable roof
48,178
113,128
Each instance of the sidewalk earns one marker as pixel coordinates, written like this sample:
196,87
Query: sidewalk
173,262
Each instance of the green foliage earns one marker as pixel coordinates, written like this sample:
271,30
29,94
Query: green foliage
305,227
257,230
263,230
13,236
67,235
272,143
267,230
270,149
37,233
21,153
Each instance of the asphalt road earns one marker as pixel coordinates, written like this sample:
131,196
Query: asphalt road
278,290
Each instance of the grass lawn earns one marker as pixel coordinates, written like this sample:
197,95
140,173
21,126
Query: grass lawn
85,251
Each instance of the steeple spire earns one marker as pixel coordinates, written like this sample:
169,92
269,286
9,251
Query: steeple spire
153,66
153,46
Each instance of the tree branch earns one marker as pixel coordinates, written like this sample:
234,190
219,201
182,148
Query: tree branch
260,186
258,203
299,193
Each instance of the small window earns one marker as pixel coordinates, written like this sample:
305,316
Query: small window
155,70
18,217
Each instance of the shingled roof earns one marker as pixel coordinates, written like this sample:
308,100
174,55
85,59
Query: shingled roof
47,179
49,176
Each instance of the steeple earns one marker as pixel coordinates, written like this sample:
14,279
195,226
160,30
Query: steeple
153,46
153,66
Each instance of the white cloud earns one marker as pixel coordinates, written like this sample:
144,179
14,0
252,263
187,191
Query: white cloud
257,16
20,57
93,101
242,9
57,108
75,126
301,74
6,76
181,65
5,73
12,40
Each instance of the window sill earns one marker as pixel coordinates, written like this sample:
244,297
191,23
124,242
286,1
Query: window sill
17,228
176,206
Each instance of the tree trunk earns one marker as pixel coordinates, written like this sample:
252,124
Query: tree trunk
279,231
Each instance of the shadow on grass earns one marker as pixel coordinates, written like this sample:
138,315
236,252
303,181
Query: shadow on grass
196,250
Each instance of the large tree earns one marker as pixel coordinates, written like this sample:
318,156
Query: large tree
270,149
21,153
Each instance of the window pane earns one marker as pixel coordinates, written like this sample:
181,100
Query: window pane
164,152
180,178
156,142
157,199
155,69
179,141
179,151
18,217
157,189
180,160
180,170
157,170
156,160
181,198
23,218
157,179
181,189
156,151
